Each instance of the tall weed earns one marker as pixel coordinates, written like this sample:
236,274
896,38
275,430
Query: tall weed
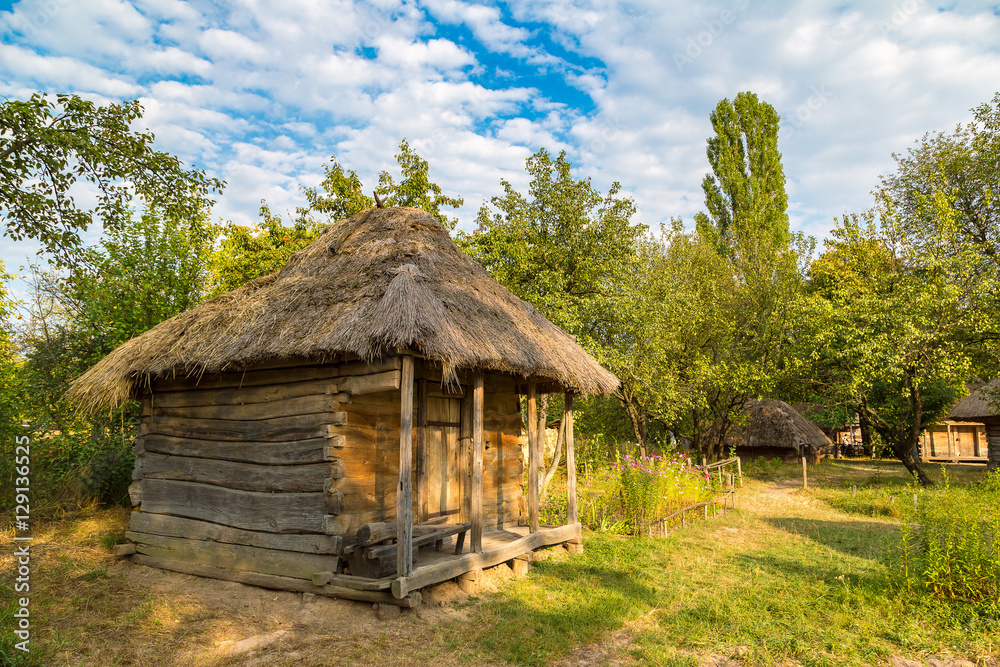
950,543
632,493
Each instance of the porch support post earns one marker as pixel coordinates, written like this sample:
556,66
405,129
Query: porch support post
477,463
571,513
422,500
404,492
532,459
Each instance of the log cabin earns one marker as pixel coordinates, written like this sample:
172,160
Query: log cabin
350,425
977,412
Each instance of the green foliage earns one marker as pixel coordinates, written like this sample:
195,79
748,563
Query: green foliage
247,253
633,493
49,144
415,188
895,322
339,196
963,167
251,252
950,544
573,253
745,193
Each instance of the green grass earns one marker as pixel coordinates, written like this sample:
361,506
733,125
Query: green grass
794,574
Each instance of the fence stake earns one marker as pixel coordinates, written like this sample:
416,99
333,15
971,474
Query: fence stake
739,469
854,489
805,478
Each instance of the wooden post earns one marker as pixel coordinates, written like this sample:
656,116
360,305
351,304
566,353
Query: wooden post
476,545
854,490
422,500
404,493
805,479
739,469
532,459
571,512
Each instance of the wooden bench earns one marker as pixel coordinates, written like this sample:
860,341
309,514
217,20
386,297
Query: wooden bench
374,554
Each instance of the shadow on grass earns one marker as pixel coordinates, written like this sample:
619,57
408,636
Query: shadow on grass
565,603
864,539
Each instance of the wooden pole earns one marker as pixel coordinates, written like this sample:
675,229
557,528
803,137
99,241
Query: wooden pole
532,459
477,463
404,493
805,478
423,501
571,511
739,469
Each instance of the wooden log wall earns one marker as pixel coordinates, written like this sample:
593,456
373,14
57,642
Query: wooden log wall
249,471
993,436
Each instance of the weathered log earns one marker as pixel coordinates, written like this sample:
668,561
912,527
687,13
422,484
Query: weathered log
192,529
379,531
135,493
404,496
476,510
292,452
357,385
245,379
289,407
246,476
238,395
301,427
276,582
250,510
233,556
121,550
369,367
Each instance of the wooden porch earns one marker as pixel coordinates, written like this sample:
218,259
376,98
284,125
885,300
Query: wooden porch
486,548
440,564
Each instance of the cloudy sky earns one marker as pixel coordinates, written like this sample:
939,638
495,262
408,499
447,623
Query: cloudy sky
261,93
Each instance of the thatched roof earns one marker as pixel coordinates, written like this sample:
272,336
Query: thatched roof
773,423
978,404
380,280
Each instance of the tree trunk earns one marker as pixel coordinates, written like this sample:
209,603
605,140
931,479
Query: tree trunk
556,457
866,431
906,448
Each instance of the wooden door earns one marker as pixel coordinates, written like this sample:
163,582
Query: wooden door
965,441
444,417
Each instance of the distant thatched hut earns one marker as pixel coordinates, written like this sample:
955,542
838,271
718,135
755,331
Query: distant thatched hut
981,420
774,428
366,392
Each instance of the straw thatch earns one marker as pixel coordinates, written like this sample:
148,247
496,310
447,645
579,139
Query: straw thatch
380,280
978,405
774,423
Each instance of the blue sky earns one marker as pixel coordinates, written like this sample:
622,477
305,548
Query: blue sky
261,93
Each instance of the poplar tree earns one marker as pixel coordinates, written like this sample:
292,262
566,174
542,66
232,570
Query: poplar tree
745,193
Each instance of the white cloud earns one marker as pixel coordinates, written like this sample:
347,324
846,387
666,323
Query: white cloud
262,92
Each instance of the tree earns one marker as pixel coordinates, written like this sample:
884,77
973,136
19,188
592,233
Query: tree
250,252
416,189
47,146
895,322
745,193
964,166
744,306
568,250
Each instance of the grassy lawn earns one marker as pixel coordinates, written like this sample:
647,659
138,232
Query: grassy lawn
793,575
